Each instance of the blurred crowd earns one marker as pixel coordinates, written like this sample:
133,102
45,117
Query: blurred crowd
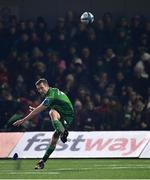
104,68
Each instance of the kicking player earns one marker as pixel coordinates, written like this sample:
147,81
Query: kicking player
61,113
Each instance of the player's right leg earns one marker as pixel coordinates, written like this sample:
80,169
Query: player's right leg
49,151
57,124
67,121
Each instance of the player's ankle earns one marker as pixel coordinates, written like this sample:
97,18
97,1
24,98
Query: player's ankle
42,160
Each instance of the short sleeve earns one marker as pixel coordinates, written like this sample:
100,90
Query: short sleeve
46,102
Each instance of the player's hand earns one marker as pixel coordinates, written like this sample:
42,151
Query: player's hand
19,122
31,108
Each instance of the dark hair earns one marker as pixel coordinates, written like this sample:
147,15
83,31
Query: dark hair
42,80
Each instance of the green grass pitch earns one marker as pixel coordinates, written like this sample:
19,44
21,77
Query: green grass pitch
76,169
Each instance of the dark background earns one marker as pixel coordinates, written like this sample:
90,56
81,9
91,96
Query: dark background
104,67
51,9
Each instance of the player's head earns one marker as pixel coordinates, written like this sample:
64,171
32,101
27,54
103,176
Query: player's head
42,86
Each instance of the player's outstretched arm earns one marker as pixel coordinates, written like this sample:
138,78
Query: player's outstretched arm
31,115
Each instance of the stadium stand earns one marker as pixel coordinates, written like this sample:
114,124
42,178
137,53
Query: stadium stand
104,67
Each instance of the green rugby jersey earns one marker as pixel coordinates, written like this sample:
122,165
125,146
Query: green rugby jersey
56,99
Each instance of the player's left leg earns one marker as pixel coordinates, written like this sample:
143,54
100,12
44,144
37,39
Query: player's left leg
49,151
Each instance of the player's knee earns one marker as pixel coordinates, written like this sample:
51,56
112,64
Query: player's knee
54,115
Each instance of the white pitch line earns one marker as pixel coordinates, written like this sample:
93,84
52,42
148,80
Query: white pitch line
26,172
126,165
57,171
5,162
102,167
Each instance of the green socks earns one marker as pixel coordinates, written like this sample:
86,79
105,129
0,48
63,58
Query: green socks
49,151
58,126
59,129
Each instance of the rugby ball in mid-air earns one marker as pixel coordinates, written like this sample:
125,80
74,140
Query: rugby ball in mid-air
87,17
